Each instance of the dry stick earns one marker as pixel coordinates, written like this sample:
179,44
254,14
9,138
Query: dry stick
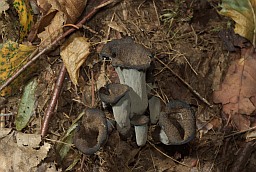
168,155
243,157
182,80
93,89
240,132
49,47
56,92
57,88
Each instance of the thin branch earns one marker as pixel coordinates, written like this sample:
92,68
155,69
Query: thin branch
168,155
182,80
53,102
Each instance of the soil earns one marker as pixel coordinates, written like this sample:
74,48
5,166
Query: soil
191,57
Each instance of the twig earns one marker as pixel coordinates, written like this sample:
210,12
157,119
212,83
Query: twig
56,42
240,132
168,155
59,83
53,102
93,88
243,157
215,158
184,82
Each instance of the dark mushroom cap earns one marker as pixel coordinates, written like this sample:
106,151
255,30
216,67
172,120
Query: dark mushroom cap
112,93
177,104
92,133
178,122
138,120
127,54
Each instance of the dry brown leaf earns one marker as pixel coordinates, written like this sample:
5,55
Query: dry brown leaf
243,13
3,6
68,12
53,30
73,53
44,5
71,8
238,91
21,152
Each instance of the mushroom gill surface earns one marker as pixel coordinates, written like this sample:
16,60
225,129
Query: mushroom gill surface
178,123
92,133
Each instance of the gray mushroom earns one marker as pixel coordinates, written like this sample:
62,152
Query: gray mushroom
92,133
178,124
154,106
131,61
140,123
117,95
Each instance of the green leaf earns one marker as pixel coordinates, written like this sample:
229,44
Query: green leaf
27,105
66,141
243,12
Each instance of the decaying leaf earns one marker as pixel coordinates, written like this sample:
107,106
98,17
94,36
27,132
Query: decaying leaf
3,6
12,57
25,15
73,53
63,149
53,30
27,105
238,92
243,13
67,12
21,152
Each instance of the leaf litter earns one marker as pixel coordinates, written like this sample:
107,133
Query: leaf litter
190,47
237,91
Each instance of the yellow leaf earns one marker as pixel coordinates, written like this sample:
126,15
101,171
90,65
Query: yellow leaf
12,57
25,15
243,12
73,53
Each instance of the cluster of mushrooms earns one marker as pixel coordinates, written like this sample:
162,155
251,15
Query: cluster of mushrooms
130,99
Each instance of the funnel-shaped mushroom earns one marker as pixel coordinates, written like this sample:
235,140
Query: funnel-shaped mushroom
178,124
92,133
131,61
117,95
140,123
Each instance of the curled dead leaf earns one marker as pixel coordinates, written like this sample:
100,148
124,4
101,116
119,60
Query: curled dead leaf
67,12
243,13
73,53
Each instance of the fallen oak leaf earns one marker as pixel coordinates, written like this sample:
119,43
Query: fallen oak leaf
237,93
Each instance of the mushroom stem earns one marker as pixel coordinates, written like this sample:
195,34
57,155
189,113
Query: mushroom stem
140,123
117,95
154,109
121,112
141,134
137,81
